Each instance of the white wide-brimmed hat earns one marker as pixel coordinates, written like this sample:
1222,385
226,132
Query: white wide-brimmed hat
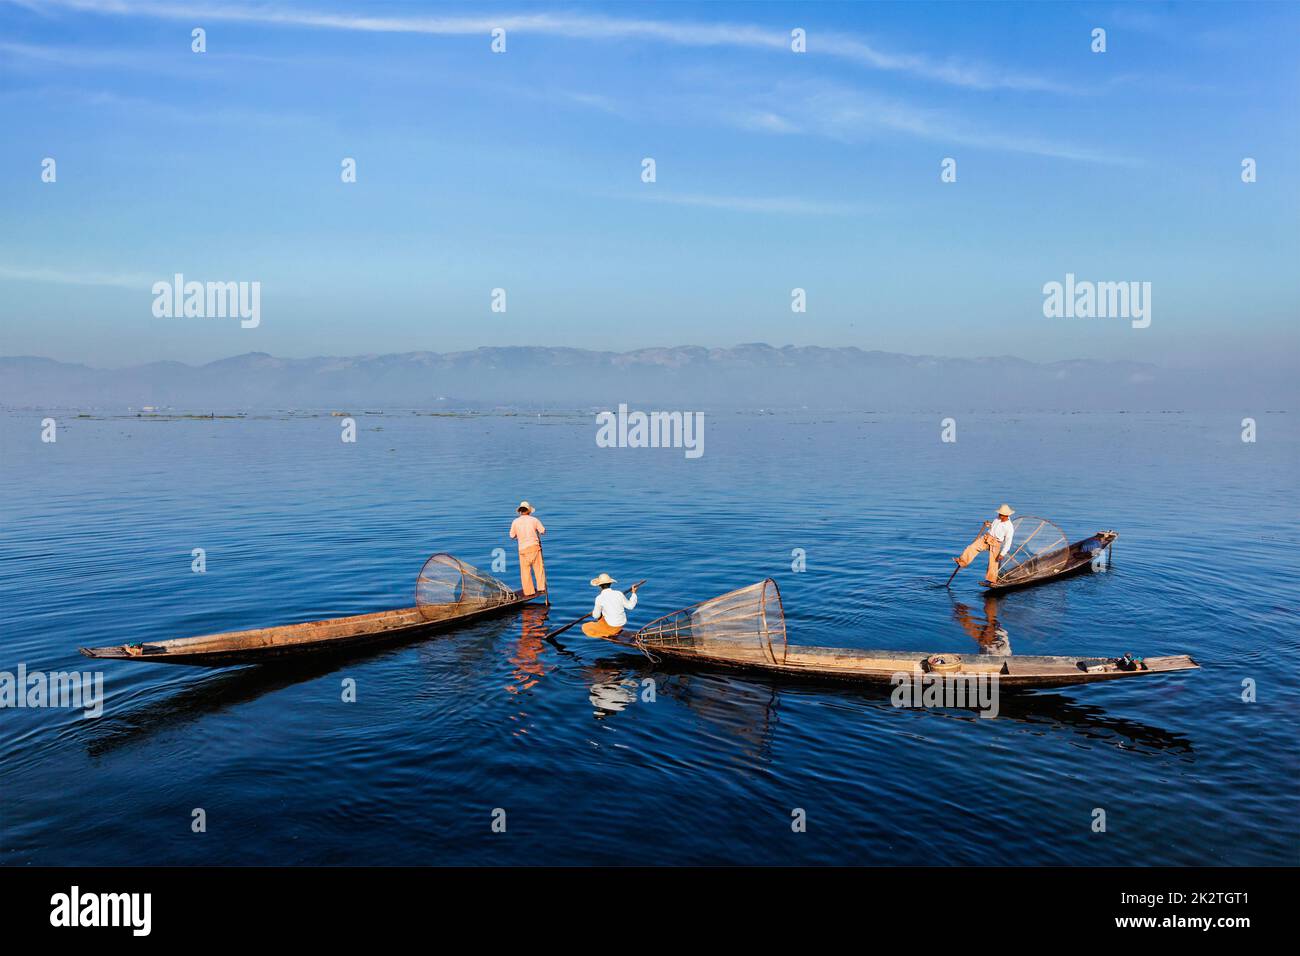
602,578
1006,511
525,506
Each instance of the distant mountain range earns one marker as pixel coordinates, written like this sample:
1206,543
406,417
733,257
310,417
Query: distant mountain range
686,377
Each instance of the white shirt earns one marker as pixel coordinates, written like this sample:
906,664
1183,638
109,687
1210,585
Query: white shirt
1003,530
610,605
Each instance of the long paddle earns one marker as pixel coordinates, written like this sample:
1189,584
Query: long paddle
576,621
551,635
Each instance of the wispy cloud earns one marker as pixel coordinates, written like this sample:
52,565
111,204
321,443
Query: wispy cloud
201,114
139,283
974,76
146,60
764,121
63,56
592,26
850,114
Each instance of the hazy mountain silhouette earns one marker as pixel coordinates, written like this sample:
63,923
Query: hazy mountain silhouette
686,377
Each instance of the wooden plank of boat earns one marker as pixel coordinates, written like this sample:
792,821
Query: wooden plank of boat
447,592
265,644
881,667
746,629
1077,560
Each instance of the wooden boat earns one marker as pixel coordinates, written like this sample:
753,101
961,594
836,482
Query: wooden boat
449,592
1052,566
745,630
1040,552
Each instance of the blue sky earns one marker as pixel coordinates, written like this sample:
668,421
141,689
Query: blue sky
775,170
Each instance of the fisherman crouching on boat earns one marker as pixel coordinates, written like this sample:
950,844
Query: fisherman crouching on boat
610,613
528,531
996,539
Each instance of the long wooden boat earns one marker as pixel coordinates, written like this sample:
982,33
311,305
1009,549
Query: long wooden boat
1052,566
745,630
449,593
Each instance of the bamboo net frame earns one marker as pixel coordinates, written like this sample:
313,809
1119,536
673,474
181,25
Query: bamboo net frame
1038,547
446,581
735,624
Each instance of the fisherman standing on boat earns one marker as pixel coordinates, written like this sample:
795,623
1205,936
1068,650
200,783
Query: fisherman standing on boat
610,613
527,530
996,539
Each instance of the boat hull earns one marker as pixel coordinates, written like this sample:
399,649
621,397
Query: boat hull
1078,561
884,667
290,641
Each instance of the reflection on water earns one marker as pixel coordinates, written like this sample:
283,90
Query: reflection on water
745,710
527,666
213,692
746,706
611,692
527,657
991,637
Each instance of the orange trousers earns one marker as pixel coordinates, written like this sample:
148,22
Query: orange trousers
530,567
983,542
600,629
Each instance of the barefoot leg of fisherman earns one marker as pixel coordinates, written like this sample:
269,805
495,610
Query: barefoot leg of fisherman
972,549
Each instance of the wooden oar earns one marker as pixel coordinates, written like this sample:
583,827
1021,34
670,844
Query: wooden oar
576,621
551,635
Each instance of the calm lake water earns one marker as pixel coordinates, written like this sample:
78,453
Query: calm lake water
99,527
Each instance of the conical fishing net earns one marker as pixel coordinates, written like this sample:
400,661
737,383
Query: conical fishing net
1038,547
447,582
748,624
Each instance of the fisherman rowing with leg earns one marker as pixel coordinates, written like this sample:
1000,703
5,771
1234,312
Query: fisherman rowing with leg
610,613
996,539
